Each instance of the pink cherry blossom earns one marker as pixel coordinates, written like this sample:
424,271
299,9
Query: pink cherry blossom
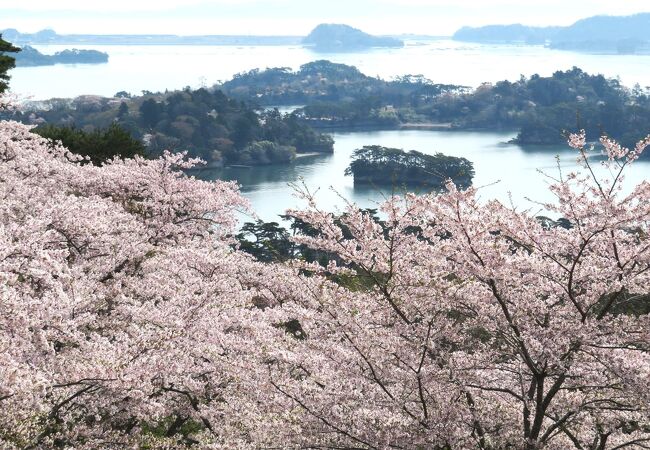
129,319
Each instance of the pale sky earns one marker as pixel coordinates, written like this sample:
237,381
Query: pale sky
295,17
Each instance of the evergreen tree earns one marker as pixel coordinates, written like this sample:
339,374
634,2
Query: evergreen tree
123,110
150,112
99,145
6,63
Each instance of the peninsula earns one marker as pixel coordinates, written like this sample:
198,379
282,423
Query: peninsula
602,34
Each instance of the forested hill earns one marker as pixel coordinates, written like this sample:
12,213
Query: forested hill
540,108
622,34
326,81
205,122
627,34
223,125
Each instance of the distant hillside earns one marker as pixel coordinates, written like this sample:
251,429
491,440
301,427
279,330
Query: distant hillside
29,56
607,28
626,34
515,33
338,37
612,34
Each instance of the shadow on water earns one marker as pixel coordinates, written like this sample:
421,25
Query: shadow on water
254,177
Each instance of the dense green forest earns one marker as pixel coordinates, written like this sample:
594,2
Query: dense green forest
206,123
338,94
99,145
543,108
540,108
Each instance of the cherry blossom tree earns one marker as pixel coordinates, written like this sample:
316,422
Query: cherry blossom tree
129,318
125,315
475,325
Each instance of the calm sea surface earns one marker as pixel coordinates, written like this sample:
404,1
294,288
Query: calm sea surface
504,169
156,68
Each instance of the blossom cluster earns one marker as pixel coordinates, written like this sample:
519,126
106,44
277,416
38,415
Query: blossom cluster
129,319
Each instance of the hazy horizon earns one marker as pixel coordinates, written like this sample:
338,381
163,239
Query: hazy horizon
294,17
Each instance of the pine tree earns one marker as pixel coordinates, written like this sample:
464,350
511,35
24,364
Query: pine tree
6,63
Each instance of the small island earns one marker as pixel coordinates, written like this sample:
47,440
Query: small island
378,165
30,57
344,38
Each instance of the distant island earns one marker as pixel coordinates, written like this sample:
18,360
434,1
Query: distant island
45,37
30,57
342,38
609,34
378,165
325,37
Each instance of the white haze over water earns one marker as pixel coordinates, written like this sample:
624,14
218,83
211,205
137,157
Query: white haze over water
156,68
433,17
